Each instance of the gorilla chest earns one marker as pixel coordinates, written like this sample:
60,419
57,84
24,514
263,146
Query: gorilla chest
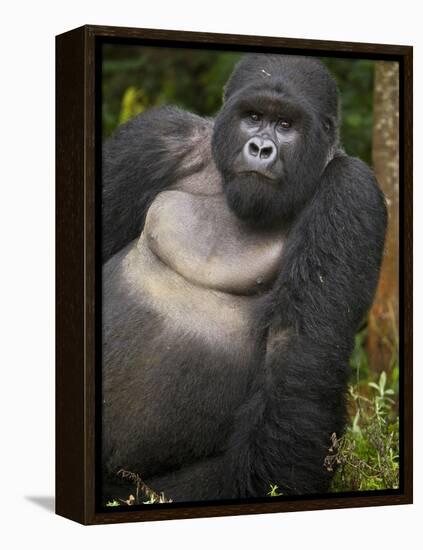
179,320
200,239
203,270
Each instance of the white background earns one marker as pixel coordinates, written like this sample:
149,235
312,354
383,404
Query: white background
27,272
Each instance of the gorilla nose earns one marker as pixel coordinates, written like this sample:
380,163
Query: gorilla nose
260,151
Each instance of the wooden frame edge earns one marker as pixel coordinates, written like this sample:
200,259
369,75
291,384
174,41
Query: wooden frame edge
70,295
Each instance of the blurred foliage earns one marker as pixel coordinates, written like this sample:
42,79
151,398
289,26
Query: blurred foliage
355,82
136,78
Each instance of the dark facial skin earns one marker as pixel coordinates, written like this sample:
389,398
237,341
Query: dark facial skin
265,136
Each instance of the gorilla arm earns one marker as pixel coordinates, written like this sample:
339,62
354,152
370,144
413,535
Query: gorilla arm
145,156
326,284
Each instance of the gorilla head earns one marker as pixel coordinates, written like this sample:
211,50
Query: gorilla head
276,132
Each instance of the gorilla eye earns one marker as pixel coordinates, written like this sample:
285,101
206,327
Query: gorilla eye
254,117
285,124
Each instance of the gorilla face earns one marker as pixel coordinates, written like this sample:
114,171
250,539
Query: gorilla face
271,145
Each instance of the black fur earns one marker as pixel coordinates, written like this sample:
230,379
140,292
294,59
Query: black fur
276,408
145,156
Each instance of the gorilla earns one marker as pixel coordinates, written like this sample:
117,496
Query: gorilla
240,255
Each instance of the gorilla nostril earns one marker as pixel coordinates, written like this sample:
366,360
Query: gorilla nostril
266,152
259,151
253,149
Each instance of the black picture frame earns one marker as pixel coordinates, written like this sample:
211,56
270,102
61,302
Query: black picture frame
78,294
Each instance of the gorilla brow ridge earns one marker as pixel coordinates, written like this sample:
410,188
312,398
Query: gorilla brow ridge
273,105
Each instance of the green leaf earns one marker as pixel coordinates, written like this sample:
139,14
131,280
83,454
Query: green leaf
274,491
355,426
113,503
382,381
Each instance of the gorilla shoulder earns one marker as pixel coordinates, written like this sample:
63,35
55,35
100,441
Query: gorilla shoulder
154,151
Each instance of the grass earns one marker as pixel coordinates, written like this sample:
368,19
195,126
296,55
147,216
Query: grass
366,457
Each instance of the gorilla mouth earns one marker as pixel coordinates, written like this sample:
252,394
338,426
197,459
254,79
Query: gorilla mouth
262,174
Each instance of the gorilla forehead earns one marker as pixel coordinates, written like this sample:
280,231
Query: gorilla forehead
300,76
275,101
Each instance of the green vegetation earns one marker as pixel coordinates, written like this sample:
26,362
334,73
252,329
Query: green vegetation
355,82
141,490
113,503
139,78
367,456
274,491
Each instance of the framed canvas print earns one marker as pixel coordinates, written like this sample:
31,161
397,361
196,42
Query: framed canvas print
234,274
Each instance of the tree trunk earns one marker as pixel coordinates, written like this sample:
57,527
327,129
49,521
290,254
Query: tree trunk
382,342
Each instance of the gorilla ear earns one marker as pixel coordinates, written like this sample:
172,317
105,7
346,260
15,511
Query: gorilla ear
330,125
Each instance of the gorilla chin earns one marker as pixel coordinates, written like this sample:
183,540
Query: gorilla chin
257,199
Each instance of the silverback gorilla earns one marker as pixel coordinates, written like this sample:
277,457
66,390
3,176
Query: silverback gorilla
240,256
